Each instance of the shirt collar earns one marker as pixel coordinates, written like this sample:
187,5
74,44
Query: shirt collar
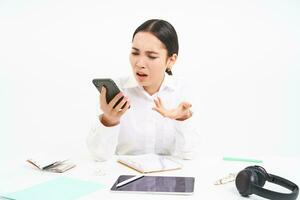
168,82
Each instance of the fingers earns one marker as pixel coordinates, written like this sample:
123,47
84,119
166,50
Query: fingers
191,114
160,111
121,104
159,100
185,115
115,105
124,109
156,103
182,112
103,95
113,102
159,107
186,105
113,111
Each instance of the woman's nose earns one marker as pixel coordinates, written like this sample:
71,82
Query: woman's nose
141,63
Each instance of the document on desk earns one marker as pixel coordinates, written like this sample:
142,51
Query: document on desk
51,162
61,188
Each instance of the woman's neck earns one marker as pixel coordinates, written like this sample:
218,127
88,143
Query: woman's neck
153,88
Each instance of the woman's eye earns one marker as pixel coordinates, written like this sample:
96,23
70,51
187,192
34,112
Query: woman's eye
152,57
134,53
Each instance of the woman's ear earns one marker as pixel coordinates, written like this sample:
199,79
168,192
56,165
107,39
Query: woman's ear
171,61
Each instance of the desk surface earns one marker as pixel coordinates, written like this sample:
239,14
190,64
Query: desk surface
206,170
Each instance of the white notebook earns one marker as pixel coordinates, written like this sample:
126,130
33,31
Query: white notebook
147,163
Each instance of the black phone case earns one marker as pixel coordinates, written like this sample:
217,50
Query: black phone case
111,89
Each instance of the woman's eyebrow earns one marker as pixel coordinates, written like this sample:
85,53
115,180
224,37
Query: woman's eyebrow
136,49
148,52
151,52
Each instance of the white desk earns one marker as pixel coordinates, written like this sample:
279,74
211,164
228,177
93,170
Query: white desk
18,175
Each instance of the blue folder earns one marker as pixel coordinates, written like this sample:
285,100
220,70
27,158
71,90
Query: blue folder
61,188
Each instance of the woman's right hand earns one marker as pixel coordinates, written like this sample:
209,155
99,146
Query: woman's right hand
111,115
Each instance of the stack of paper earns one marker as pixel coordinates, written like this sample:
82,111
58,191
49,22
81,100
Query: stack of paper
51,163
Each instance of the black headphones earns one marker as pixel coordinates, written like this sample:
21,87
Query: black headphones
252,179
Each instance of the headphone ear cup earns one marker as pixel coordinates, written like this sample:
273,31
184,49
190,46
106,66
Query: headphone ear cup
244,181
261,175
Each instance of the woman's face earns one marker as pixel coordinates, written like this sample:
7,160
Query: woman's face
149,61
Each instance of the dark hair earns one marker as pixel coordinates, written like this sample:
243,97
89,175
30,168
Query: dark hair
164,31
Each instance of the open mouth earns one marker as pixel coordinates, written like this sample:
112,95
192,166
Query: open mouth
140,74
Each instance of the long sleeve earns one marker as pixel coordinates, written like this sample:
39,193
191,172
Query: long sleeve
102,141
186,138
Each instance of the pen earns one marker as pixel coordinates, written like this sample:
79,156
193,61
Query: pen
242,159
129,180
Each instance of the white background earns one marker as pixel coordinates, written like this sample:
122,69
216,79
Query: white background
242,56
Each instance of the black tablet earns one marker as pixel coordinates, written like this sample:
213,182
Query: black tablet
156,184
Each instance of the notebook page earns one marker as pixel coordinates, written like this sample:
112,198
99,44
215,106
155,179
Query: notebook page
149,163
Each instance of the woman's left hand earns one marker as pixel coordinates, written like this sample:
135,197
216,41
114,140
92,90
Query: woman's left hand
181,113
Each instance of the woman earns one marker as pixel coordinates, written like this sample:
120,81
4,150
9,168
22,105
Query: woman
156,118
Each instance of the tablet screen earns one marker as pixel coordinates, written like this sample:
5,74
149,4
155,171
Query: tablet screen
157,184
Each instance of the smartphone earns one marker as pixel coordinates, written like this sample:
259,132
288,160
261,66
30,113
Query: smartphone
111,89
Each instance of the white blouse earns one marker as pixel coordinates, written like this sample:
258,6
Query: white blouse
142,130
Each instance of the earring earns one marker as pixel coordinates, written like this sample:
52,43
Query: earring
169,72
